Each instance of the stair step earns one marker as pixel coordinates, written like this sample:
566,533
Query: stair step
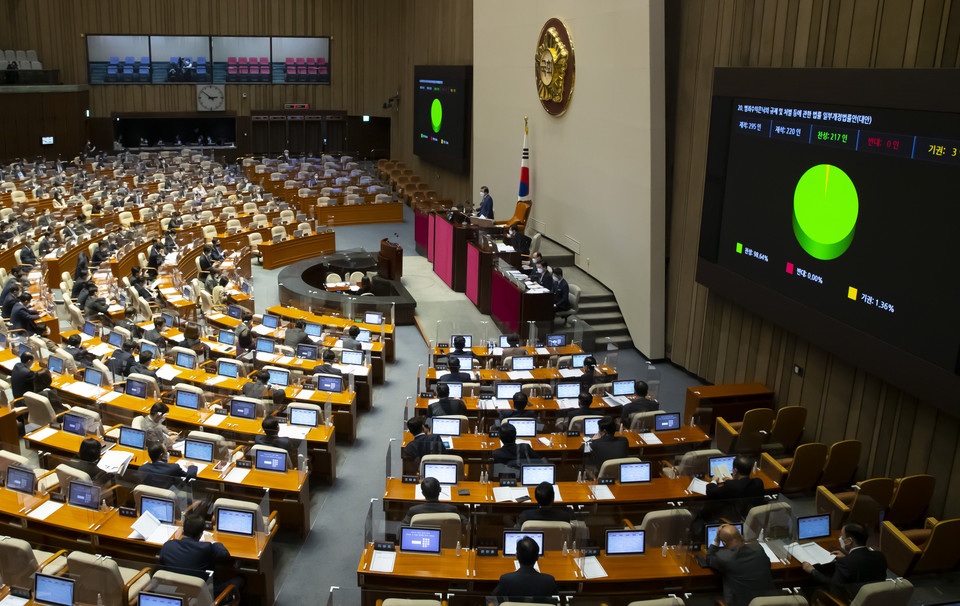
596,319
598,307
609,329
597,298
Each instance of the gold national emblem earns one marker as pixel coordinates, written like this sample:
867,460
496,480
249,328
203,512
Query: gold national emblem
554,67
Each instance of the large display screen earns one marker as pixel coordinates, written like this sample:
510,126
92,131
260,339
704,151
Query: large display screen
837,219
441,115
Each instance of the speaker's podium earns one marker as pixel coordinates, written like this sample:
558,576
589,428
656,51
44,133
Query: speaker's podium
390,260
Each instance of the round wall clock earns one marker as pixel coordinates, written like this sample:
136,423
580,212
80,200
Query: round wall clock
554,67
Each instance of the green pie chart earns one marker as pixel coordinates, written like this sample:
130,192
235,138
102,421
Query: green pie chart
436,115
825,209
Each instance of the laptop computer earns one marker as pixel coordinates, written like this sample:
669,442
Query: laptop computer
235,311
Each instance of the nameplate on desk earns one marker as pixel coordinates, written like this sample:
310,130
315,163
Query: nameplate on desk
128,512
494,434
20,592
607,481
487,551
573,434
384,546
241,464
591,551
547,397
441,367
410,480
503,368
176,453
58,498
443,345
426,394
508,481
485,397
110,439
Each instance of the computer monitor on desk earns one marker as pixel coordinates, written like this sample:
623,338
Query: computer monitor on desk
242,409
156,599
567,391
187,399
74,424
81,494
522,363
556,340
506,391
265,345
445,473
135,388
624,542
21,480
185,360
115,339
623,388
235,521
352,357
531,475
55,365
52,590
132,438
161,508
93,376
330,383
280,378
526,428
711,534
666,422
468,340
576,361
635,473
512,537
420,540
373,317
466,363
198,450
303,417
306,351
445,426
718,464
271,321
269,460
226,337
228,368
456,390
813,527
235,311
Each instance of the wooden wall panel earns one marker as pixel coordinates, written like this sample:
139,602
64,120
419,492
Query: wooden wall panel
373,48
721,341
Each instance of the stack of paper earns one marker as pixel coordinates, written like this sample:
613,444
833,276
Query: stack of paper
9,364
260,329
294,431
503,494
810,552
42,434
383,561
697,486
566,403
167,372
601,492
85,390
650,438
148,528
236,475
115,461
45,510
570,373
100,349
109,396
214,420
516,375
592,569
616,400
215,379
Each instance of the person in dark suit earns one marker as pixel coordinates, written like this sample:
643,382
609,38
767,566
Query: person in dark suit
543,494
155,260
142,366
589,376
15,275
526,582
128,322
855,566
215,253
189,555
155,334
430,487
124,359
138,285
100,254
88,455
446,405
486,203
510,453
513,340
22,376
607,445
9,300
206,263
455,376
544,277
327,367
744,567
423,442
80,355
565,417
83,265
644,403
27,256
519,410
258,388
161,474
296,335
459,342
22,317
79,285
735,496
271,435
561,291
350,341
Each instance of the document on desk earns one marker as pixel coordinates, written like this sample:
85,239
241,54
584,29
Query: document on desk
383,561
542,351
556,494
353,369
168,291
516,565
214,420
650,438
602,492
445,494
236,475
167,372
516,375
263,356
85,390
115,308
215,316
697,486
497,351
115,461
9,364
100,349
772,556
567,403
616,400
110,396
810,552
186,463
260,329
42,434
502,494
592,569
215,379
12,600
284,360
44,511
177,338
84,337
570,373
294,431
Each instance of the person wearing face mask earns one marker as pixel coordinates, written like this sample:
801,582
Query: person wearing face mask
855,566
486,203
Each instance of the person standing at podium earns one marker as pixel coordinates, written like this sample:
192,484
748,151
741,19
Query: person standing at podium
486,203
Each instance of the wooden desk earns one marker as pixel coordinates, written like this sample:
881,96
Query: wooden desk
296,249
512,308
359,214
108,533
729,401
292,313
538,375
496,353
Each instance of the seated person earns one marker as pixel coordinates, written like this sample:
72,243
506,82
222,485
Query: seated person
11,298
123,358
430,487
244,332
154,429
855,564
514,350
454,376
737,494
519,410
161,474
155,334
128,322
279,403
545,511
24,318
526,582
350,341
644,403
271,434
589,378
258,388
327,367
423,441
142,365
77,351
22,377
366,286
446,405
191,338
744,567
510,453
190,555
459,342
296,335
43,385
86,461
605,445
564,417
